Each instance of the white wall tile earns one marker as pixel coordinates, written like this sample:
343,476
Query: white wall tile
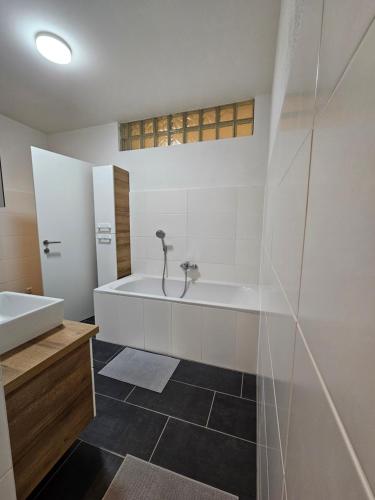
275,480
247,326
163,201
212,250
219,337
217,272
157,325
212,200
154,267
211,224
248,225
246,274
332,406
146,224
247,252
316,445
289,212
110,311
250,199
187,323
299,103
338,282
148,247
344,24
280,327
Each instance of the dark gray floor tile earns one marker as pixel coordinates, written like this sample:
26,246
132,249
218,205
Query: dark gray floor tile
98,365
249,388
222,461
85,475
209,377
124,428
234,415
104,351
111,387
179,400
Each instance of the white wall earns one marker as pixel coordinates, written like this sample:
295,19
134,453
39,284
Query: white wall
208,197
19,250
316,343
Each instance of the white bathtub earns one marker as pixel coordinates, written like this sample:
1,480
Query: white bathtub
215,323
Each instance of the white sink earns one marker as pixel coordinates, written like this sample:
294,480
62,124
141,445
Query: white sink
24,317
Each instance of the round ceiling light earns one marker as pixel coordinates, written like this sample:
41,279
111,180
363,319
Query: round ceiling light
53,48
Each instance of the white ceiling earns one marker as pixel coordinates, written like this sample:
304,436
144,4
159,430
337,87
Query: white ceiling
133,58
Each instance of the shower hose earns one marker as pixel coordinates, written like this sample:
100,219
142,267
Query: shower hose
163,279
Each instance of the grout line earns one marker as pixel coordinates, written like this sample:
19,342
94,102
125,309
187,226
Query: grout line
178,418
212,390
339,423
346,68
59,468
157,442
192,423
128,396
242,384
109,397
209,413
282,452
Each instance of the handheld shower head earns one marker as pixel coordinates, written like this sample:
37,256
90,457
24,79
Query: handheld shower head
160,234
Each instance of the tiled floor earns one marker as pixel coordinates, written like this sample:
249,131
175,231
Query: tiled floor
203,426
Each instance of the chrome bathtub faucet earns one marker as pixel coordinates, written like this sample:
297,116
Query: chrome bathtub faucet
186,266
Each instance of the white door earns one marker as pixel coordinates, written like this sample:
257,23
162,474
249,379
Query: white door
65,214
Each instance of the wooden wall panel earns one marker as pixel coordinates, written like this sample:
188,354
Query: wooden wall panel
122,215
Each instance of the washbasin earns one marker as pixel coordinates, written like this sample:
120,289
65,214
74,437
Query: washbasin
24,317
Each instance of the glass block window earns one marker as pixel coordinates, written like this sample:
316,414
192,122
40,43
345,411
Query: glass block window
220,122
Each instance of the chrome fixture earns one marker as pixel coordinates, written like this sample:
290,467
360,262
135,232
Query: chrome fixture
161,234
185,266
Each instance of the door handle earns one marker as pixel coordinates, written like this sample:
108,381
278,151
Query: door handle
46,243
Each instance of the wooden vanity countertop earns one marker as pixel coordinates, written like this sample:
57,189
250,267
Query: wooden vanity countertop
28,360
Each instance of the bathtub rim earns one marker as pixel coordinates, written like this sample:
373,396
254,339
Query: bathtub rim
254,309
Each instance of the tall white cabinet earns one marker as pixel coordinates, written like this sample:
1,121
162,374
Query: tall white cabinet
112,223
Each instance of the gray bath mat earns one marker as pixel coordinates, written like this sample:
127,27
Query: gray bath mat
144,369
137,479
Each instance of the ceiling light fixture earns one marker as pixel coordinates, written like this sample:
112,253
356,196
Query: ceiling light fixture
53,48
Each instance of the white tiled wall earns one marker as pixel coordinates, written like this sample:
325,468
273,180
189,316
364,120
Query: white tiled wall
19,250
206,196
218,228
211,335
316,343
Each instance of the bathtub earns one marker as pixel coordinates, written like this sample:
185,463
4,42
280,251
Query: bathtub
215,323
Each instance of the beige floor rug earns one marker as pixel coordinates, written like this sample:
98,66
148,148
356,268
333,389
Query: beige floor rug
143,369
140,480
